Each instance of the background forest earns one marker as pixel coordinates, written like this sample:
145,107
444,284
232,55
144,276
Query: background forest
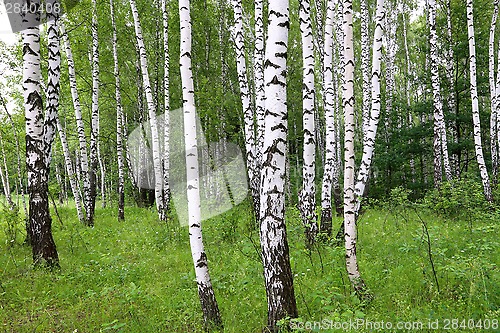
417,205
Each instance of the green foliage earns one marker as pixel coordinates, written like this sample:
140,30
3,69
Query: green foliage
12,222
399,196
395,263
404,134
460,199
137,276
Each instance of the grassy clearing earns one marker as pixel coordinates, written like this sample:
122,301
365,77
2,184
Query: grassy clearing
137,276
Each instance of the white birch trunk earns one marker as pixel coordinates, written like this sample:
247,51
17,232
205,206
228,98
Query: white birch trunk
365,65
53,87
440,137
450,74
4,174
248,116
371,134
307,196
497,109
437,153
71,174
128,159
260,98
18,153
42,244
102,168
94,124
329,106
5,187
278,276
206,294
475,106
338,81
408,86
82,141
318,18
119,120
349,162
166,111
390,44
155,142
339,41
493,94
318,7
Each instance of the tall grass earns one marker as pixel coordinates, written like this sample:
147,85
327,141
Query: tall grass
137,276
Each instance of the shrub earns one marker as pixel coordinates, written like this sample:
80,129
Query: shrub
459,199
12,222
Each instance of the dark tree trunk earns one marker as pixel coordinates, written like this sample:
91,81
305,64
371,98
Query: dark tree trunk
93,193
121,205
146,197
326,221
42,243
337,199
279,281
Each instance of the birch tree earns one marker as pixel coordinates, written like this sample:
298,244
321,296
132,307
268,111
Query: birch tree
497,109
450,74
82,141
318,11
371,134
440,137
4,175
365,65
155,141
94,128
475,103
329,105
493,94
409,79
339,65
308,193
248,116
119,119
349,162
211,313
38,137
260,98
53,83
71,173
275,253
18,155
437,152
390,26
166,110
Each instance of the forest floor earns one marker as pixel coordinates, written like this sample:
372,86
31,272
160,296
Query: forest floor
138,276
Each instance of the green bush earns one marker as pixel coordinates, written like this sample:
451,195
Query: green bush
12,222
459,199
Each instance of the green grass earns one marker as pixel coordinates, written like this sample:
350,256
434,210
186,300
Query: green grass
138,276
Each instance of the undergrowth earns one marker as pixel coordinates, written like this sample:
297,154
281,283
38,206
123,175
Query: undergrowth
138,276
